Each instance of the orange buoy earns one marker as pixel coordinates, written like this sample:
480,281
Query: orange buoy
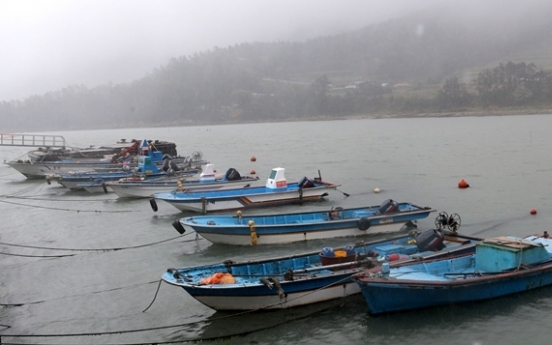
253,158
253,172
533,211
463,184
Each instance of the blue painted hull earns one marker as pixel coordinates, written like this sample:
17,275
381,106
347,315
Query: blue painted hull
314,277
447,281
302,226
250,197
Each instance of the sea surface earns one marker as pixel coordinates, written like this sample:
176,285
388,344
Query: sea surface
80,268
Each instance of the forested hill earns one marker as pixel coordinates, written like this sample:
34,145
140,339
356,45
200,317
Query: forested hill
421,63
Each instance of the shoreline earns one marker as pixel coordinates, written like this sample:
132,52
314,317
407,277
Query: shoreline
478,113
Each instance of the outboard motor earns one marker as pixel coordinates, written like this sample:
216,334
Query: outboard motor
233,175
173,166
431,239
166,165
388,206
306,183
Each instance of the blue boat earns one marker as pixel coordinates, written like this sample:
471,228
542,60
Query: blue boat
242,229
45,162
306,278
208,180
277,191
149,167
500,266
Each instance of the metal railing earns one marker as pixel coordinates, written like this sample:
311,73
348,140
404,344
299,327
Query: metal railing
36,140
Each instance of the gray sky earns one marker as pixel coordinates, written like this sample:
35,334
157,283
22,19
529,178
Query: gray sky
50,44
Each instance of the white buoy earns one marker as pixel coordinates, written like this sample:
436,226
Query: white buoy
376,190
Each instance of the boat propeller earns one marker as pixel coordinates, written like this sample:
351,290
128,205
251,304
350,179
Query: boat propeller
451,222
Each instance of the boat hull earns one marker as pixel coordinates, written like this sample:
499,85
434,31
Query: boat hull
298,227
146,190
302,279
385,298
42,170
499,267
238,199
297,235
302,293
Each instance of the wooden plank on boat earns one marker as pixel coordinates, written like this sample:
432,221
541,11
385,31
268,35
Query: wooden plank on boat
455,239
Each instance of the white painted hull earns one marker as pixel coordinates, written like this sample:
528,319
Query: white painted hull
245,240
70,184
274,301
98,189
137,191
250,200
41,170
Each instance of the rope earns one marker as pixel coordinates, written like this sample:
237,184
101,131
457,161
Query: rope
154,297
175,326
65,209
37,256
95,249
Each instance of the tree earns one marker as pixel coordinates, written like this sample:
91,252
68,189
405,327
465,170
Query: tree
453,94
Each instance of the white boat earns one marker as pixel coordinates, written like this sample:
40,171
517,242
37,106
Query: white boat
277,191
46,162
208,180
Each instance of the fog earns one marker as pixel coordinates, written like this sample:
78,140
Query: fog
50,44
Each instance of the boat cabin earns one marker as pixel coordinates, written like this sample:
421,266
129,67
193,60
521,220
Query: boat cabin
277,179
208,172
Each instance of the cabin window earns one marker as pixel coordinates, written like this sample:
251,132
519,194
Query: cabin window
273,174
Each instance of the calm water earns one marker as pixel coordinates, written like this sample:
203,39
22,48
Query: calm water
76,263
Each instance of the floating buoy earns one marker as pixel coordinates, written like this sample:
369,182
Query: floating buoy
377,190
253,172
463,184
253,158
533,211
393,257
253,232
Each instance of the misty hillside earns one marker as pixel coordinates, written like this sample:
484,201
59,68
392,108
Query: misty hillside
332,76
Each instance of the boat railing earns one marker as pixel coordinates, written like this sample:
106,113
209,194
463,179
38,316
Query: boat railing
32,140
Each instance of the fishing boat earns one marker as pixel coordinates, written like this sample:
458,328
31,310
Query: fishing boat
45,162
302,279
148,168
500,266
208,180
103,185
390,216
277,191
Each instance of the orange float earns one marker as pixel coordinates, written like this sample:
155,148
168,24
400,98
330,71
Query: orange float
533,211
463,184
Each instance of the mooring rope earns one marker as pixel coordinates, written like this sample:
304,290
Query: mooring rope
66,209
95,249
178,325
37,256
